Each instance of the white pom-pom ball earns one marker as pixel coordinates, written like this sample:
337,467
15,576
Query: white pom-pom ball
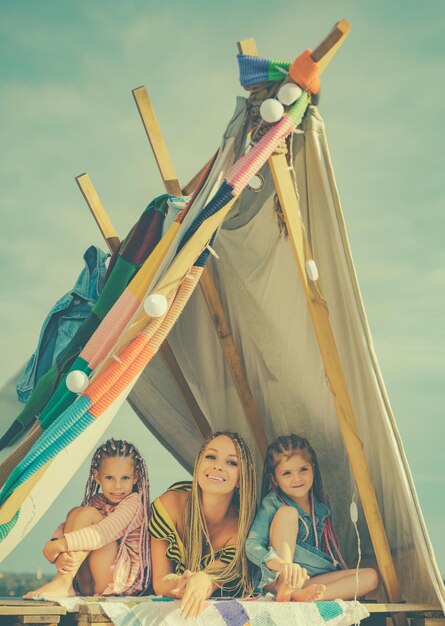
271,111
289,93
156,305
77,381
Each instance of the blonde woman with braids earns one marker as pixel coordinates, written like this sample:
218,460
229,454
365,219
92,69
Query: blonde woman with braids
199,529
103,546
292,537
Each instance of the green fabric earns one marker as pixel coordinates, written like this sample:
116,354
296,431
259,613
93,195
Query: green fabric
275,74
297,110
62,397
122,273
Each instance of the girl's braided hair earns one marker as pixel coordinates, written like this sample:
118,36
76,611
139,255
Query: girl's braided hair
237,572
286,446
121,448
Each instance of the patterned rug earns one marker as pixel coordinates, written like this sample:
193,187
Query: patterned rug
152,611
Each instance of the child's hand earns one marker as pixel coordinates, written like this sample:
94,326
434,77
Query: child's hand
52,550
198,588
293,574
66,562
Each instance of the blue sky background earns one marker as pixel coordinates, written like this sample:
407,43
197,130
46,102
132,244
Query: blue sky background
66,107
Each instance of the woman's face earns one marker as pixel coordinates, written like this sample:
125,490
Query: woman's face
218,471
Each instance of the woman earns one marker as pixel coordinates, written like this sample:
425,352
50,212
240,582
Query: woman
199,529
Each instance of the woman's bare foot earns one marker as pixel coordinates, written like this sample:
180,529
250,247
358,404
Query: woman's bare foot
311,593
58,586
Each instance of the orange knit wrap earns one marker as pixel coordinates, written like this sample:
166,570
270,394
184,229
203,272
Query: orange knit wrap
304,71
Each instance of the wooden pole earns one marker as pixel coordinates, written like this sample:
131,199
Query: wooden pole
334,373
207,284
106,228
157,142
98,212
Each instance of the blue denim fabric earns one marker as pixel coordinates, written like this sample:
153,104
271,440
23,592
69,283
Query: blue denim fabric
64,319
306,553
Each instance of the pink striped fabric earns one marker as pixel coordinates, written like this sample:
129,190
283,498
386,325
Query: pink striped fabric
109,331
245,168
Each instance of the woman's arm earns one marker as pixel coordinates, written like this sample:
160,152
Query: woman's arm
163,567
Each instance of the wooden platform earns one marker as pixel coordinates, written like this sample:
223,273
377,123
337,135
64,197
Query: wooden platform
15,612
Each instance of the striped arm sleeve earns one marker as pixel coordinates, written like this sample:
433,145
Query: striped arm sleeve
107,530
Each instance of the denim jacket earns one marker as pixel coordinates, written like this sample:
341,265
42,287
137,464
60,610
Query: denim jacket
306,553
64,319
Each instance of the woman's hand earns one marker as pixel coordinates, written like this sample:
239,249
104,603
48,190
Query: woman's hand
181,582
52,550
198,588
293,574
66,563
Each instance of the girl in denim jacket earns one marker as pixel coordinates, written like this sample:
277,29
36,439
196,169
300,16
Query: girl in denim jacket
292,539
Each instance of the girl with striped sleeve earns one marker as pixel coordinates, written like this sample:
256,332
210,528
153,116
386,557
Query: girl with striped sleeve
103,546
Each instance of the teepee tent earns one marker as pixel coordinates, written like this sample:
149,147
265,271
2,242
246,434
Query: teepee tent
276,273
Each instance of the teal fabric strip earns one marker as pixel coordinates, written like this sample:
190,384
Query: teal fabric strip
329,610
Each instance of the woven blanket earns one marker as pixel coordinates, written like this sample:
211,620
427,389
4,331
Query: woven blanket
261,612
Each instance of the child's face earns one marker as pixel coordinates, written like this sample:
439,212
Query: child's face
218,471
294,475
116,476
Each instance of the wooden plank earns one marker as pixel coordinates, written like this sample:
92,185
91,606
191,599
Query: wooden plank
328,48
334,373
39,619
157,143
32,610
408,607
248,46
233,360
335,377
193,183
98,212
428,621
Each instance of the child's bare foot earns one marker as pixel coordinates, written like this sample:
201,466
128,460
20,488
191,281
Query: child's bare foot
56,587
311,593
283,590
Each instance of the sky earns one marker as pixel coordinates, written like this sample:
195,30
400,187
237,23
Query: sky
66,108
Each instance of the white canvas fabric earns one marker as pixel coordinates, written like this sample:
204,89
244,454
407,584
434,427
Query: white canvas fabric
260,289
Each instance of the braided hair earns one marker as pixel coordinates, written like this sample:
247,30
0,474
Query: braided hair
286,446
237,572
121,448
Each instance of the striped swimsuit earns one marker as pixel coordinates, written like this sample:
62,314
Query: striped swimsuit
122,523
161,526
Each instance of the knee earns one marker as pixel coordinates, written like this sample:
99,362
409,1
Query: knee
287,515
84,513
372,579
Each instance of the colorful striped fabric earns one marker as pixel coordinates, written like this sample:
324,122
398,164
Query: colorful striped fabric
257,70
126,332
136,248
232,612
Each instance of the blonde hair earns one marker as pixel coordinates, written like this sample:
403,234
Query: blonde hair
197,534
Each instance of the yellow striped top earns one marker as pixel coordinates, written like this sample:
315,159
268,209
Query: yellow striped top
161,526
